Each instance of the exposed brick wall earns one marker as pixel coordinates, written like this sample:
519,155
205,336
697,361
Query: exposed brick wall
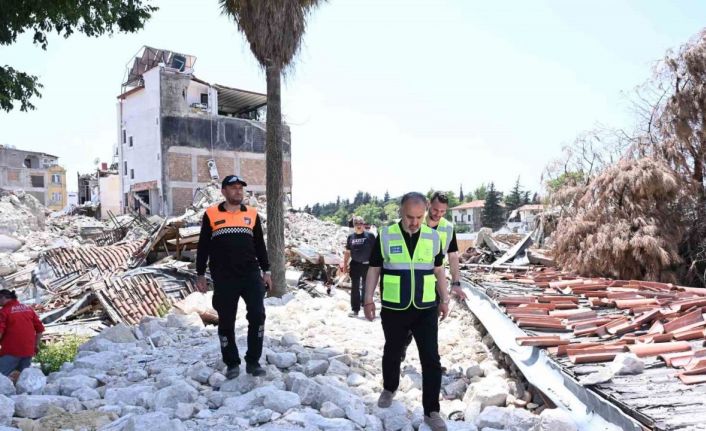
179,167
181,199
225,164
253,171
13,176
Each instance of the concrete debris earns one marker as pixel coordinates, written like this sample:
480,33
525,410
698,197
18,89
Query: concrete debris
324,377
20,214
627,363
151,372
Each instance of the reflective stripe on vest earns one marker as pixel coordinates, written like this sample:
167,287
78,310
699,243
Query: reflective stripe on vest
408,280
223,222
445,229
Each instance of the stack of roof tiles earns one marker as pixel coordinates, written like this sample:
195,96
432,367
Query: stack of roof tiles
593,319
130,299
79,259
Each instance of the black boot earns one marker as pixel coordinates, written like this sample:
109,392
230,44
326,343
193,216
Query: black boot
232,372
255,370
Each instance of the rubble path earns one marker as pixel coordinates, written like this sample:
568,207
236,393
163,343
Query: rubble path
323,372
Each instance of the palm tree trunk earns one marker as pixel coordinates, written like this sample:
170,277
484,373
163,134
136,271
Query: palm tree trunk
274,189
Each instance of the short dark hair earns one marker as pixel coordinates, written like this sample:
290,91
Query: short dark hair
440,196
413,196
9,294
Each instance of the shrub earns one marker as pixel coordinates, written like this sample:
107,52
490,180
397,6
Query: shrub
52,355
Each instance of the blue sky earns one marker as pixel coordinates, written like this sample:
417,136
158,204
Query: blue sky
385,95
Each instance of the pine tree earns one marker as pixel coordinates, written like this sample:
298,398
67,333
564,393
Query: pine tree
492,215
515,198
387,196
480,193
359,199
526,198
460,193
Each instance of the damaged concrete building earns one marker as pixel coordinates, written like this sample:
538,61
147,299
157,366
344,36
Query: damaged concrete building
177,133
102,189
36,173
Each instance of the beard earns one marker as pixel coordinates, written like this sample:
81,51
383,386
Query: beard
234,201
412,231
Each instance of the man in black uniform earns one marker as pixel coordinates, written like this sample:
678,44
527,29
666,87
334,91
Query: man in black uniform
233,243
359,245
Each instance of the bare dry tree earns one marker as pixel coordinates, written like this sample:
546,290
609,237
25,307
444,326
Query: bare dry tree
681,123
622,226
644,215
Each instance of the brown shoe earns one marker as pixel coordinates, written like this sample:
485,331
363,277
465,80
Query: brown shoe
385,399
435,422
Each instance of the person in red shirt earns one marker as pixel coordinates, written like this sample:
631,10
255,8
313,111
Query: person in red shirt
20,333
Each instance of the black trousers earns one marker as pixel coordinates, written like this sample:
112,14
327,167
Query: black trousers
225,301
358,272
425,328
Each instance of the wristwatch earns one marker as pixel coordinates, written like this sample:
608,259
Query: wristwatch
456,284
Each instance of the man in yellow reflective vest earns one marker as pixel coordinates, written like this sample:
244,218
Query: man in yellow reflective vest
408,255
438,205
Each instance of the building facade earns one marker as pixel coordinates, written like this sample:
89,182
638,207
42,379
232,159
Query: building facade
35,173
57,198
177,133
468,214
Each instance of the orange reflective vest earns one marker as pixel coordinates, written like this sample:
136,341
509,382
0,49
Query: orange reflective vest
229,222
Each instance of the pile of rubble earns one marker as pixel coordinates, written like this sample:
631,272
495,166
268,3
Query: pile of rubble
20,214
323,372
82,274
505,250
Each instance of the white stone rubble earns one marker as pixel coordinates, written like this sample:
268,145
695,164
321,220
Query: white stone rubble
323,372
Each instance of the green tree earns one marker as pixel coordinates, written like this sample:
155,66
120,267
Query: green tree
371,213
392,211
515,198
492,215
90,17
340,217
387,196
479,193
359,198
566,179
460,193
274,29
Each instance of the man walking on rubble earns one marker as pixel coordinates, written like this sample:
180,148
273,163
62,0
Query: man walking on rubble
233,243
20,333
359,245
438,205
408,255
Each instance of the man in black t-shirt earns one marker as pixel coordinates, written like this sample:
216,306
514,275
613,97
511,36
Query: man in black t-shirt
359,245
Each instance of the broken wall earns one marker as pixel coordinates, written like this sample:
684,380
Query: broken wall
189,140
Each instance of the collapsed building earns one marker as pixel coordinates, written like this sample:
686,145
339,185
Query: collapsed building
99,192
177,132
36,173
